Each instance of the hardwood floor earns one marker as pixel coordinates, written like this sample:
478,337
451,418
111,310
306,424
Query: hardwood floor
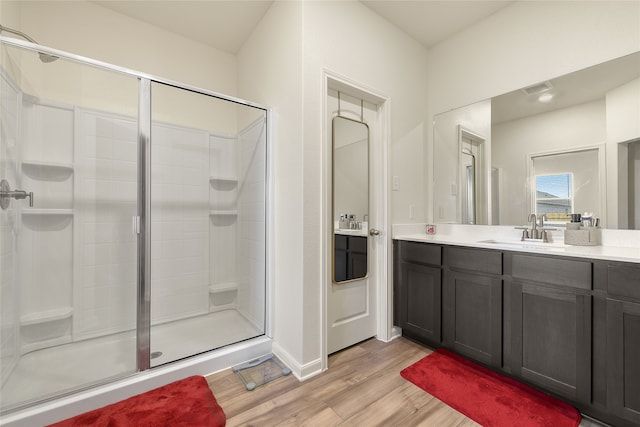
362,387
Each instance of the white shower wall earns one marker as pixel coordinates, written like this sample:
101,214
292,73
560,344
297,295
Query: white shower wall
179,229
104,245
79,252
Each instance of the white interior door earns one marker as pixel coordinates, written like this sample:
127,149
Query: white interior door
352,289
351,309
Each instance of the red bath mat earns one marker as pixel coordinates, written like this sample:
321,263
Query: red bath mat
184,403
486,397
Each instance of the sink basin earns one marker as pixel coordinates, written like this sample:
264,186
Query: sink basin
524,244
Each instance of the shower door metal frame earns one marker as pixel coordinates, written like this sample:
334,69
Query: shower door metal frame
142,225
142,220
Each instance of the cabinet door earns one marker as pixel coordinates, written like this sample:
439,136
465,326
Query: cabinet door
472,316
623,359
356,257
420,302
551,339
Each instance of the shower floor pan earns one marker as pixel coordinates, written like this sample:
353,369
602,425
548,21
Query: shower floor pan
49,371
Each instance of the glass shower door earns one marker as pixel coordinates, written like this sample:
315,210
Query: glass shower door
208,168
68,255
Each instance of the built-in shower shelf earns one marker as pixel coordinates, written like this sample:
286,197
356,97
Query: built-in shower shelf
223,212
223,179
223,287
50,212
46,316
54,166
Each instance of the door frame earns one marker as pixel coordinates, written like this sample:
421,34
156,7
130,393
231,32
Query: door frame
379,178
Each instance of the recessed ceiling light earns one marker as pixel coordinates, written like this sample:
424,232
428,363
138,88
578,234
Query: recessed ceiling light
545,97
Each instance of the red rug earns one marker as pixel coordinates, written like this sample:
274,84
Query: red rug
184,403
486,397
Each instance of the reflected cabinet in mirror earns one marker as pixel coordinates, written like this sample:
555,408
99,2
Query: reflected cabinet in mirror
566,145
350,198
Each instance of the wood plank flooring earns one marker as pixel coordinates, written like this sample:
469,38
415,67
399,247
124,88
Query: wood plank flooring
362,387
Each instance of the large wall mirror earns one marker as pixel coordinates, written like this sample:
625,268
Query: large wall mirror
350,198
566,145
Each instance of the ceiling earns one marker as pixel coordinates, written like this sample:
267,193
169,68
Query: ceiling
582,86
227,24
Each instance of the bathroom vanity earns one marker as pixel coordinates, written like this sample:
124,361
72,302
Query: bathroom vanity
563,319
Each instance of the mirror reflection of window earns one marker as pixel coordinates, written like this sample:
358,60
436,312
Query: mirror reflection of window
554,197
566,183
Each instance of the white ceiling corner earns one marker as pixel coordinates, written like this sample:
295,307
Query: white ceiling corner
222,24
227,24
432,21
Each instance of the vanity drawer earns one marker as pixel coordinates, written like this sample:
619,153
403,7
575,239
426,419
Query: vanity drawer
624,281
557,271
421,253
476,260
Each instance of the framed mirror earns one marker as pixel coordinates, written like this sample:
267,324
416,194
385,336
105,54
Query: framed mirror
350,140
567,145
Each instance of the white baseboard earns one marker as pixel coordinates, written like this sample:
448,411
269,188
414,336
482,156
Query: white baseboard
301,371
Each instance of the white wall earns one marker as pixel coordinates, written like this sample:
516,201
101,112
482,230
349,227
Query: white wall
526,43
634,185
623,112
371,52
270,72
87,29
623,124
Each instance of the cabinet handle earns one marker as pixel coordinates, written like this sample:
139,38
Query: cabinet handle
374,232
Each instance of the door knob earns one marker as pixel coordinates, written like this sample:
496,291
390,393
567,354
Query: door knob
374,232
6,194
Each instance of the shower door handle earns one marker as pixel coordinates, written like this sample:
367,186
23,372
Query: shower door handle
6,194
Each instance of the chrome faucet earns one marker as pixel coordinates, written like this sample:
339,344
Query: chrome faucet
534,224
538,231
542,219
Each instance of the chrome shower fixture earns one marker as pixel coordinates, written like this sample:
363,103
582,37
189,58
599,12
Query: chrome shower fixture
43,56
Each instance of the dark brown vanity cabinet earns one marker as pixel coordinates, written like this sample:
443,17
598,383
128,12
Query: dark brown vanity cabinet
623,341
418,290
472,303
350,257
550,323
568,326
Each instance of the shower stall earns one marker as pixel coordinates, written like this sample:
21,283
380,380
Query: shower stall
133,223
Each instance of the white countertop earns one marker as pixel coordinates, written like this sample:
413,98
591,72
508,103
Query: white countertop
618,245
362,231
349,232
